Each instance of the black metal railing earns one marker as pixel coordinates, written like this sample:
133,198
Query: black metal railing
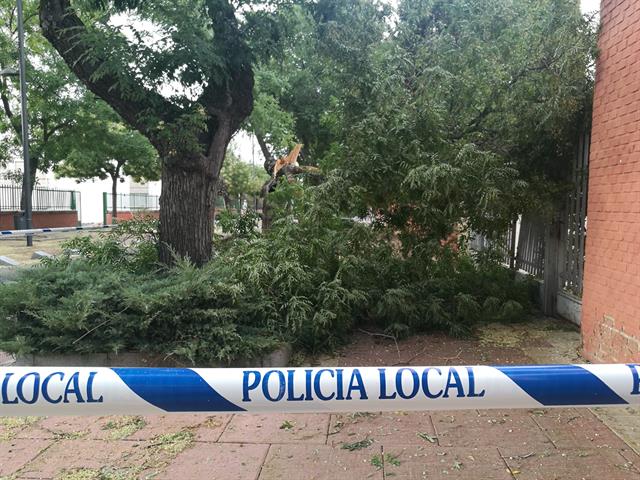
42,199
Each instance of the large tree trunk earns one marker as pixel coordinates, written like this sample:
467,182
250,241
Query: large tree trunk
186,215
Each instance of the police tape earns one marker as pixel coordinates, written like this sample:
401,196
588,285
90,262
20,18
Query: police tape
100,391
36,231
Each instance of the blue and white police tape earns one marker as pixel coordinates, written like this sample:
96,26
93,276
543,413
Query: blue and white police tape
36,231
100,391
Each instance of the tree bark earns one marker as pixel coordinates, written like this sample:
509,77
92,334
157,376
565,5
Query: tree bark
187,204
269,163
33,164
114,199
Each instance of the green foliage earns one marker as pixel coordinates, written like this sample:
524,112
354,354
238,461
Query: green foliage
309,281
242,178
130,245
239,225
448,116
115,298
70,129
101,146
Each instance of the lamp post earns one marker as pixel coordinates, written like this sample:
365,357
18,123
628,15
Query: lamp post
26,179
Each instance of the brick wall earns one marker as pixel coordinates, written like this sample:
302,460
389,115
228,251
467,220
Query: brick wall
611,297
126,215
42,219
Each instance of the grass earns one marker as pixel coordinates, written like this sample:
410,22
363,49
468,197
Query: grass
379,461
16,248
352,447
124,426
11,426
104,473
287,425
174,443
162,449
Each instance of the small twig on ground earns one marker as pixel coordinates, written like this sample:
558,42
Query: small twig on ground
373,334
448,359
411,359
408,361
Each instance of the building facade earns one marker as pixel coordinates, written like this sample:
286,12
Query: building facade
611,296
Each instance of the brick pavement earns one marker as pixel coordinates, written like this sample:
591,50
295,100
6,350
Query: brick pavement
545,444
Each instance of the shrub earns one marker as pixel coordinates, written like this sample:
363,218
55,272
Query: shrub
309,281
81,306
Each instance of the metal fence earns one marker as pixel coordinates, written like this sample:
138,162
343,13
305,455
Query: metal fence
43,199
574,232
240,202
533,234
530,250
129,202
521,247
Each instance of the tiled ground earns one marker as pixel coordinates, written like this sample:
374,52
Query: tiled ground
564,444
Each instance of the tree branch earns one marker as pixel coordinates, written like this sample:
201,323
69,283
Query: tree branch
229,100
65,31
6,106
269,159
59,126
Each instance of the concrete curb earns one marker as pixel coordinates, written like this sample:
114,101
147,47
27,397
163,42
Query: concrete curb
277,358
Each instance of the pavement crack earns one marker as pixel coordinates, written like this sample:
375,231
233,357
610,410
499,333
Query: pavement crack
544,431
264,460
506,464
435,431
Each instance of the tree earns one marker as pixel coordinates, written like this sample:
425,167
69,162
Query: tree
203,48
53,93
101,146
242,178
299,91
466,113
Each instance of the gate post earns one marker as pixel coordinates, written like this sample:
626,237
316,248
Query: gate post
552,254
104,208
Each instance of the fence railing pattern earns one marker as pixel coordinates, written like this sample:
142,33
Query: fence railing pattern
574,233
42,199
130,202
521,247
530,251
240,202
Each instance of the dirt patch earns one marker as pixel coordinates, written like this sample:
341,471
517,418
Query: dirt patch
16,248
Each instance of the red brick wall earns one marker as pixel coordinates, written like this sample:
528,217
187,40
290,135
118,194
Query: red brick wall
611,297
122,216
42,219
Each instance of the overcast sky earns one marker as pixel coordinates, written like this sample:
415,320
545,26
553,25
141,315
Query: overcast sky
589,6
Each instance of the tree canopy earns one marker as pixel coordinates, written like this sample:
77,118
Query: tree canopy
102,147
242,178
71,130
428,114
440,111
53,92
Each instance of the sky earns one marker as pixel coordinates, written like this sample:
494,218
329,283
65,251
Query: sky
589,6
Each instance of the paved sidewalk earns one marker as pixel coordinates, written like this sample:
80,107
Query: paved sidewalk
540,444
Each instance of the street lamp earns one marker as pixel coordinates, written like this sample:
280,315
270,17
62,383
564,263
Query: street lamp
26,175
9,72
